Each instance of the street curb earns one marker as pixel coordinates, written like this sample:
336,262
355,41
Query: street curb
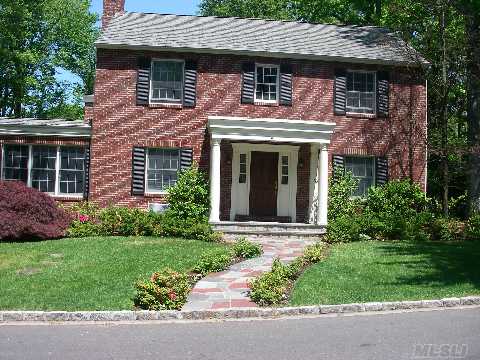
237,313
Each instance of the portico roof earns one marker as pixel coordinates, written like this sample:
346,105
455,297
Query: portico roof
270,130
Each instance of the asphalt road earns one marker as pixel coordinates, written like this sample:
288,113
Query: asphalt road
446,334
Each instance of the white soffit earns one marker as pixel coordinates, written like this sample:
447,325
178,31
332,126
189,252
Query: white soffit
270,130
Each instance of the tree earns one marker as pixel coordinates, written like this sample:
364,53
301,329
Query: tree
39,37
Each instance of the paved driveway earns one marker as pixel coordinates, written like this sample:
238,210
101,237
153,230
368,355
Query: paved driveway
440,335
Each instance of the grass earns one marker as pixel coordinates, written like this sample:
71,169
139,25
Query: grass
391,271
89,273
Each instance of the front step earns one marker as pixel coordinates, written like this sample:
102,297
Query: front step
252,229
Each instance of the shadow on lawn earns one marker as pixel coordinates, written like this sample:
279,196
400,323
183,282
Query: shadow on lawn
444,263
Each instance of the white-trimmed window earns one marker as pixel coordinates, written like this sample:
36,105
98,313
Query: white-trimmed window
242,178
362,169
162,169
167,81
57,170
284,170
361,92
266,83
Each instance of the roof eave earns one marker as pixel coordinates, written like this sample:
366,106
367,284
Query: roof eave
281,55
45,130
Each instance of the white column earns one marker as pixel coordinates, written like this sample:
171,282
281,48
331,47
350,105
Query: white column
313,198
322,186
215,181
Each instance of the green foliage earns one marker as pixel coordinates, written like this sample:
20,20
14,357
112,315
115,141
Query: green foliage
344,229
472,230
340,202
188,228
444,229
89,220
37,39
246,249
271,287
314,253
213,261
165,290
188,198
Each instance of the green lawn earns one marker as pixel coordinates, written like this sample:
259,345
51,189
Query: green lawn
87,274
390,271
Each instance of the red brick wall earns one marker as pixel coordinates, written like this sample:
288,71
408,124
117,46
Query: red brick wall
119,124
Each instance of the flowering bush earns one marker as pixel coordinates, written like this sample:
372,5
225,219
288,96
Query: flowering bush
165,290
28,214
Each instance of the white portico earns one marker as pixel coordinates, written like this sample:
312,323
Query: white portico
264,165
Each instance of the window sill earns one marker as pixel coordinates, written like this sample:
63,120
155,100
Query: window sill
155,194
361,115
266,103
161,105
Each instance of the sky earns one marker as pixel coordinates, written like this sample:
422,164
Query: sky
179,7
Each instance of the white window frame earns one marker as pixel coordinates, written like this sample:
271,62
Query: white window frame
260,101
161,100
374,175
147,154
57,192
356,110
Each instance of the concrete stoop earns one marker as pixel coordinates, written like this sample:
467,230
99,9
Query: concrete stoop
253,229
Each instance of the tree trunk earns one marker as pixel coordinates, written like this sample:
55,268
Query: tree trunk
444,119
472,23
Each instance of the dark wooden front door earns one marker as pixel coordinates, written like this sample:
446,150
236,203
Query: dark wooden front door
263,184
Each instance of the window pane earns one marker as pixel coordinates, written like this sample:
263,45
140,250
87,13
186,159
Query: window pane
167,80
72,165
15,165
266,85
361,92
43,168
163,166
362,168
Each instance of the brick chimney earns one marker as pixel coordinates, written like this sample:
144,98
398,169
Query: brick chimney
110,8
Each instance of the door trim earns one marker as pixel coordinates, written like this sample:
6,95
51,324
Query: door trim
286,194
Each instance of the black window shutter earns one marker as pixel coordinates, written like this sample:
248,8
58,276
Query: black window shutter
248,83
143,81
340,92
190,84
383,80
86,173
138,171
381,171
338,165
186,156
286,84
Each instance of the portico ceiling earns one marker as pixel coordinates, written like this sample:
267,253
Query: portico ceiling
270,130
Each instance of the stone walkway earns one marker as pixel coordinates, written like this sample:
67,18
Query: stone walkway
229,289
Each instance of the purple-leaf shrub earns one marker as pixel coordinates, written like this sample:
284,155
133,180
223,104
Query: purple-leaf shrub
28,214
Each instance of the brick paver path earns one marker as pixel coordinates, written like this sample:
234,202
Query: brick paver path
229,289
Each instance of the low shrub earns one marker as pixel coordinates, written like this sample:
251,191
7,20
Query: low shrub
271,287
246,249
443,229
28,214
188,228
165,290
213,261
472,229
344,229
340,202
314,253
123,221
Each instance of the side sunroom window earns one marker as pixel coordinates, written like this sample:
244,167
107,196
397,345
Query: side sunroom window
361,92
72,168
15,162
167,81
363,169
267,83
162,169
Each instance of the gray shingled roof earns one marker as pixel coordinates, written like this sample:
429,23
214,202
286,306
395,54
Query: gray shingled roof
36,127
255,37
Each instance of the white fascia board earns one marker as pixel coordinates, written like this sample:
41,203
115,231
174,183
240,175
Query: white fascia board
19,130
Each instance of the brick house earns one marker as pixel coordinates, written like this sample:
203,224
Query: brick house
269,108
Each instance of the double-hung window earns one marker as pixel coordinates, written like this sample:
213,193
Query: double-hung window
57,170
162,169
362,169
267,83
361,92
167,81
